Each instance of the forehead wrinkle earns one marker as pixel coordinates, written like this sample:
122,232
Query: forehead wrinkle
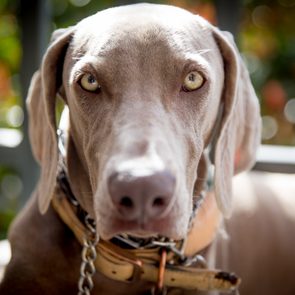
134,50
83,63
200,61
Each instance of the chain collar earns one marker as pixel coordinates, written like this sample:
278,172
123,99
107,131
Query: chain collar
87,268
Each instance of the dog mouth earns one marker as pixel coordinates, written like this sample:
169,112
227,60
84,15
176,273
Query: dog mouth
141,234
173,225
146,230
138,241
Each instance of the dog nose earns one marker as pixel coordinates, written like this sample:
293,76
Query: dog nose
142,197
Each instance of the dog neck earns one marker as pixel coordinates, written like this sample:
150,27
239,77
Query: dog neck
205,226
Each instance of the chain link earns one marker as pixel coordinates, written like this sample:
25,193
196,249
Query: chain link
87,268
88,255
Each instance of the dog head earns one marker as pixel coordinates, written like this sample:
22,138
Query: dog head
144,85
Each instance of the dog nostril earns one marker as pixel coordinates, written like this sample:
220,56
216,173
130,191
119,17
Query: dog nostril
126,202
158,202
142,197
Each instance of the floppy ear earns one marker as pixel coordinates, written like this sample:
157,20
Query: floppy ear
41,102
239,134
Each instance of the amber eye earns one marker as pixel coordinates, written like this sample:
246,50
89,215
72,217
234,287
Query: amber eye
192,81
89,83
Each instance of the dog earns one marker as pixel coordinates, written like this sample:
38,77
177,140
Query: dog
154,94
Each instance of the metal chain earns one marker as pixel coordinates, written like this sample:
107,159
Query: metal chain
87,269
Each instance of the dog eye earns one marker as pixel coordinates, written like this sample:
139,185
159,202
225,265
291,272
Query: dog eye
89,83
193,80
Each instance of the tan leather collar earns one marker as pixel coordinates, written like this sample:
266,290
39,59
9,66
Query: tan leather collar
127,265
205,226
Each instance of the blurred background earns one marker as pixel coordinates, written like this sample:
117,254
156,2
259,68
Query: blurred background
264,32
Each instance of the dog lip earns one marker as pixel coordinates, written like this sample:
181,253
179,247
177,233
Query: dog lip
141,234
149,229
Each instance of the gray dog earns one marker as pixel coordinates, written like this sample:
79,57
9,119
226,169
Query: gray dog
151,91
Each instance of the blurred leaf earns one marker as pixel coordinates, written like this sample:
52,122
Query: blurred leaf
6,218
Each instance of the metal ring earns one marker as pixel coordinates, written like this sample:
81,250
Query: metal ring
90,223
87,269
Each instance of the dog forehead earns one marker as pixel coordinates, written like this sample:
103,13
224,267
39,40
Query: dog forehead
139,25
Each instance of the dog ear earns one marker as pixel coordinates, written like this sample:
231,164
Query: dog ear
239,134
41,103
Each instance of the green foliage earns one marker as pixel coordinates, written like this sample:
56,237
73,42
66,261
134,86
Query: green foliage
7,210
66,13
6,216
10,44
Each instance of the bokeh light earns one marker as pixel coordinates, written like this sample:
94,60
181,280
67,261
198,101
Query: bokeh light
260,15
274,95
80,3
289,110
15,116
269,127
11,186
